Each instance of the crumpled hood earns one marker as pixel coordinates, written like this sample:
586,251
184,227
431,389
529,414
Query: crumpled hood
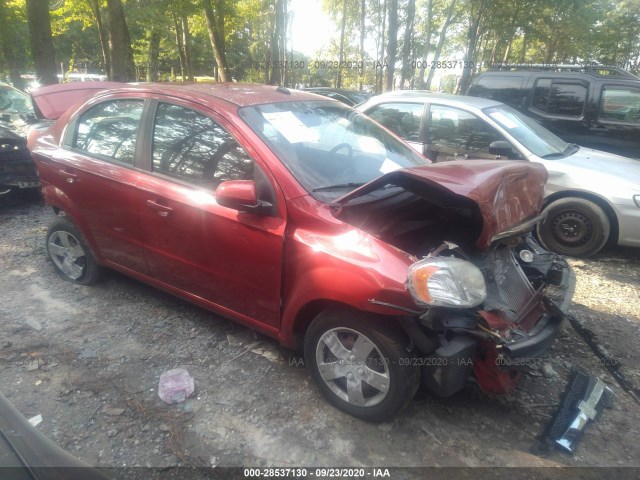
506,193
52,101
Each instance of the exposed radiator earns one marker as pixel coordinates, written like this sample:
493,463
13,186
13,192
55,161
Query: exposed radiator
507,286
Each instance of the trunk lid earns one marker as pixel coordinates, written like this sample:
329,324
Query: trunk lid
52,101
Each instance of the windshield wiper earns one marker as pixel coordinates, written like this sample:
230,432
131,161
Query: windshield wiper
338,186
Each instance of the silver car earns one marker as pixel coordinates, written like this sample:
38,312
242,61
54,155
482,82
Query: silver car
591,198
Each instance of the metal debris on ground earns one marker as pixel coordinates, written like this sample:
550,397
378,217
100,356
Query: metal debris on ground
35,421
583,401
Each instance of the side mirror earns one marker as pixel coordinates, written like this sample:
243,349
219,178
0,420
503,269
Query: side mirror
241,195
501,148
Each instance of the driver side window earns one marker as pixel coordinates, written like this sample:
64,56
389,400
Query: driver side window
456,133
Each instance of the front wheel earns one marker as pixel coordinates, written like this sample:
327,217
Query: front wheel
574,227
361,364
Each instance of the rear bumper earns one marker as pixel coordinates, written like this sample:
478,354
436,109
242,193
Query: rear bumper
17,169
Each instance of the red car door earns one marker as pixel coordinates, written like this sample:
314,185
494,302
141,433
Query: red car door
226,257
95,167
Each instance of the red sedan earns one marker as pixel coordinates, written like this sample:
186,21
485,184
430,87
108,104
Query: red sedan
309,222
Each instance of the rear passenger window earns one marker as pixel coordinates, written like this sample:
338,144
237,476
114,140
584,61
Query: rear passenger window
559,98
191,147
110,130
505,89
620,104
403,119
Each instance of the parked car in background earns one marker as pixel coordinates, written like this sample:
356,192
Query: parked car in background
348,97
307,221
84,77
596,106
17,170
591,197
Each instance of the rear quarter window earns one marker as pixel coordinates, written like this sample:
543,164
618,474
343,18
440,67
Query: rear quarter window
620,104
109,130
505,89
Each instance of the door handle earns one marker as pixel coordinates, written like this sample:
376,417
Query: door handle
69,177
162,210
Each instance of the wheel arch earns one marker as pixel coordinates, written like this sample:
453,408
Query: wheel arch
312,309
62,205
601,202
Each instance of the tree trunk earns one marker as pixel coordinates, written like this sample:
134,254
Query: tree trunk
441,39
343,27
186,44
103,35
122,67
407,70
523,53
283,46
7,41
392,45
507,51
382,36
215,27
180,43
275,73
363,17
154,53
427,43
39,22
494,49
472,40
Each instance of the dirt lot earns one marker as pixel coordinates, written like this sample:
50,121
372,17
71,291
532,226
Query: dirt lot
88,359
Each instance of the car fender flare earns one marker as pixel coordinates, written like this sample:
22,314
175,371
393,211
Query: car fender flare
63,205
326,286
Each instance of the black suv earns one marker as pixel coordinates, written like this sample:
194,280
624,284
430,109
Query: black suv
592,106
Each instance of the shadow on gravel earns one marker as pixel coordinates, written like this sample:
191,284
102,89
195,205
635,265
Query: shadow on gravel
19,201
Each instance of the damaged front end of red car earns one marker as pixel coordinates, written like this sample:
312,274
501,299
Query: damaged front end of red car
485,290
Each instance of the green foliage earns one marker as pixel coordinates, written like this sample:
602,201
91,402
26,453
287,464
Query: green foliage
550,31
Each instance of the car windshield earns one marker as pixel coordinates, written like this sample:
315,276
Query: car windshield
535,138
328,147
13,100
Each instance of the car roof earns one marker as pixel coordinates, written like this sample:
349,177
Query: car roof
239,94
626,79
419,96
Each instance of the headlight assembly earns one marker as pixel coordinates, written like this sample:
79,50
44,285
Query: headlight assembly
446,282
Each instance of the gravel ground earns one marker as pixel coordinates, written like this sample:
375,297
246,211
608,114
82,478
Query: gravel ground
88,359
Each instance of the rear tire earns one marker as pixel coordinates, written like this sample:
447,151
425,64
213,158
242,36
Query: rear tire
574,227
361,364
70,255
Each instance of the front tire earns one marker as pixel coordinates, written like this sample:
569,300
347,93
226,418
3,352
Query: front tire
70,255
361,364
574,227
